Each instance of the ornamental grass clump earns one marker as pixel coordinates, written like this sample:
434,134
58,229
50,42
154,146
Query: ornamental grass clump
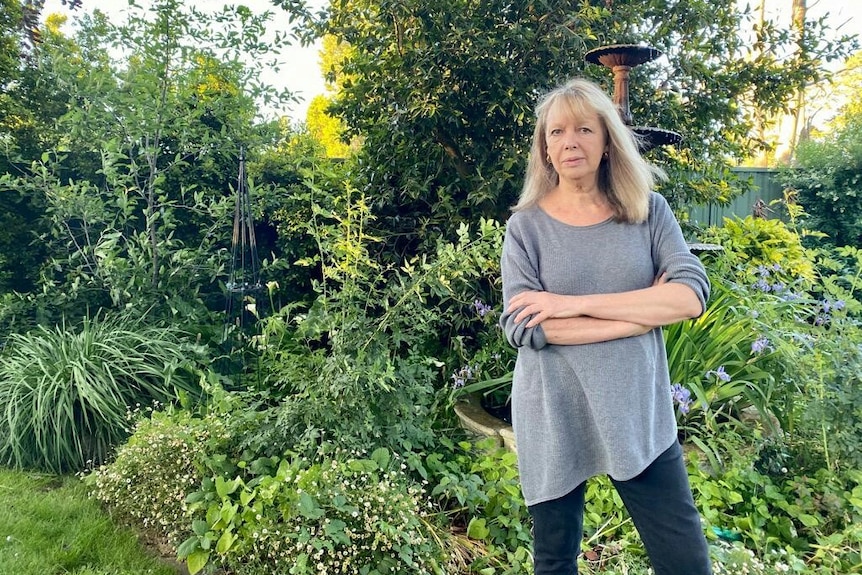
340,515
65,392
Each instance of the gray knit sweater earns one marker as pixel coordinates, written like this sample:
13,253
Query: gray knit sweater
603,408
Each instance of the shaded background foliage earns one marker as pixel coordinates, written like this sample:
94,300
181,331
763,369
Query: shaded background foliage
442,96
828,182
119,204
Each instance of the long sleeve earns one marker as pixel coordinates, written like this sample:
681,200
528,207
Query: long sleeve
519,274
671,253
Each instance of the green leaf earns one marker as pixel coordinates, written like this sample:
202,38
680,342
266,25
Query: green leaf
224,542
335,531
200,527
477,529
308,507
225,487
381,456
187,547
245,497
197,561
362,465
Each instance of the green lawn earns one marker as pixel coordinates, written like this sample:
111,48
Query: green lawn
48,526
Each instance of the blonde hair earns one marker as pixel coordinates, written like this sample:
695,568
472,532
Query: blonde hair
625,177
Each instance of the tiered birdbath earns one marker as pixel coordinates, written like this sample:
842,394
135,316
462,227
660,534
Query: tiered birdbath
621,58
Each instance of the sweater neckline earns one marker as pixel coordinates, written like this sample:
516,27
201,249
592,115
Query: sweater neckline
548,216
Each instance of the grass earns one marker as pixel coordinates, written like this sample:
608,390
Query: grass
48,526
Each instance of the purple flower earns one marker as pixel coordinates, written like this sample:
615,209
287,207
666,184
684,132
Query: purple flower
760,345
719,373
482,308
462,376
682,397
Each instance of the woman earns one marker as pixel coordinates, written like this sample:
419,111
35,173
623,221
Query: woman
593,263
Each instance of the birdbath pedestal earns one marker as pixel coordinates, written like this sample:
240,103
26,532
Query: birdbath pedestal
621,58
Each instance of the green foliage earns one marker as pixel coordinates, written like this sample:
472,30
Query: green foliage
750,244
341,513
20,226
804,306
66,391
150,476
443,96
797,514
326,129
828,419
712,357
606,520
285,175
828,180
49,525
362,362
477,487
135,196
11,18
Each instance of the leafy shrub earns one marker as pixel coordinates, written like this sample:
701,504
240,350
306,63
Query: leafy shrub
750,244
477,486
363,362
828,178
147,482
770,513
340,514
66,392
714,357
827,426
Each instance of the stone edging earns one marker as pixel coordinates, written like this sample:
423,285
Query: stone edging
476,420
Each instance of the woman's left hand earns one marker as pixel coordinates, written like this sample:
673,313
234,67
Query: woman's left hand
541,305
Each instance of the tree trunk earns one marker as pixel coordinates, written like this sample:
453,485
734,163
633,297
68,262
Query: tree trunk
799,9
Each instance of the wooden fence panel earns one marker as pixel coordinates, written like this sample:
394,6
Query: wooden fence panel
766,188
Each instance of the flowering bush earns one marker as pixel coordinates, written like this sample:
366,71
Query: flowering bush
715,369
735,559
147,483
342,514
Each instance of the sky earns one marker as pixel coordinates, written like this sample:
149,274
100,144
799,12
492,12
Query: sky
301,73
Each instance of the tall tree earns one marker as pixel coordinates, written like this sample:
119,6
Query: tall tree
326,128
443,94
11,17
799,9
137,184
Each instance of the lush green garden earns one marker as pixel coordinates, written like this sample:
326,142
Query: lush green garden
309,429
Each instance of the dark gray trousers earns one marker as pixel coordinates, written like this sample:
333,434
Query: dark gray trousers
660,503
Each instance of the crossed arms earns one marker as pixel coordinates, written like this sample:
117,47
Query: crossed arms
573,320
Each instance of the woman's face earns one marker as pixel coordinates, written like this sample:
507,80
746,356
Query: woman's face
575,144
